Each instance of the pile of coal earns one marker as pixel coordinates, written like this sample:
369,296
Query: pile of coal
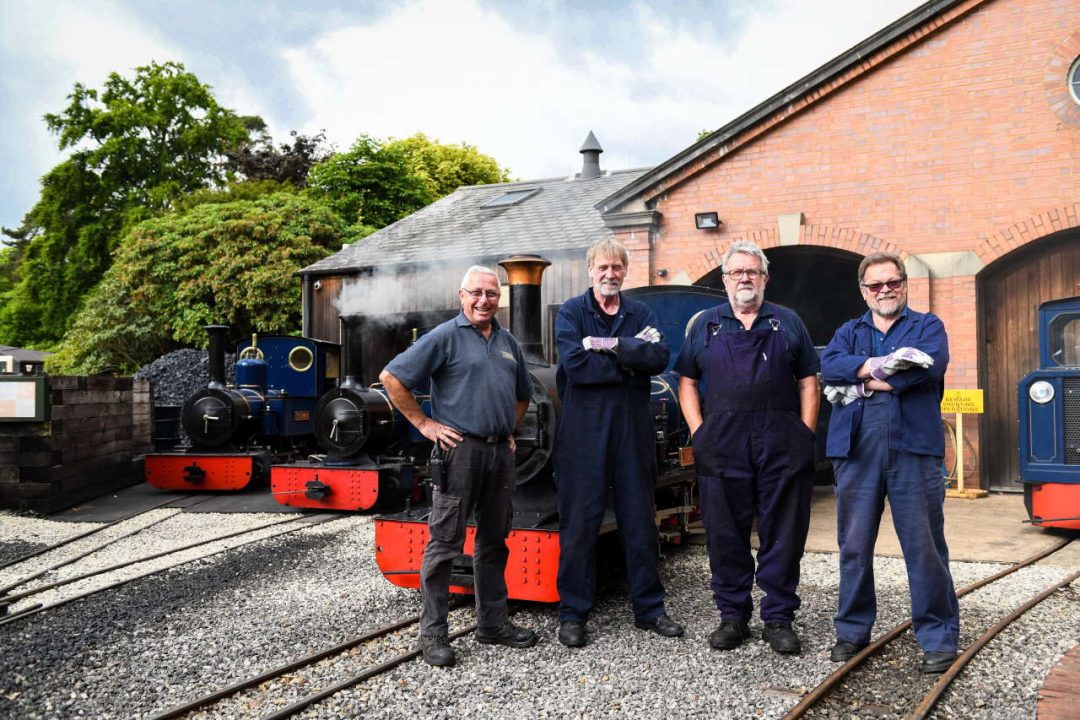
178,375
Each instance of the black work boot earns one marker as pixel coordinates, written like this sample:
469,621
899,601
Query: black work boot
436,650
935,663
507,634
662,625
572,633
843,650
729,635
781,638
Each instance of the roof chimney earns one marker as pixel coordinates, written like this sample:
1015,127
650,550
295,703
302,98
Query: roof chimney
590,168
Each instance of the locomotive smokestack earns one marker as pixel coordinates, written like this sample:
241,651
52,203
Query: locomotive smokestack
352,345
217,355
524,274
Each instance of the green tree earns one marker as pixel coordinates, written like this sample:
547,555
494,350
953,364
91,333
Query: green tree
445,168
227,262
370,185
137,146
376,183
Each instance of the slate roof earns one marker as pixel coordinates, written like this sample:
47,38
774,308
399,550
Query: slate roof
22,355
561,216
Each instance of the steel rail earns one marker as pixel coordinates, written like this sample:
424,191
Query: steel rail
118,566
40,608
379,669
27,578
315,657
825,687
88,533
931,698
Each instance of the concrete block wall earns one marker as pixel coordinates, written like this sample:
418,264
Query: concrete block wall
98,430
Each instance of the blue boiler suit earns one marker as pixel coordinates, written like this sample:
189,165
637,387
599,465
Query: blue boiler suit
606,438
753,454
891,444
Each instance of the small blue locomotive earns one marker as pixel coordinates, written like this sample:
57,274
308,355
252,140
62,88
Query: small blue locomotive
237,431
1049,403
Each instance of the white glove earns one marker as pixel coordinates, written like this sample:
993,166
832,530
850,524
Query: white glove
846,394
600,344
881,368
649,334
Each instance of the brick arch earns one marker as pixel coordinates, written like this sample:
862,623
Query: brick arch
832,236
1004,241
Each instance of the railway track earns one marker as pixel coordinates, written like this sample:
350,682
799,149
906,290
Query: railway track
17,604
289,689
881,665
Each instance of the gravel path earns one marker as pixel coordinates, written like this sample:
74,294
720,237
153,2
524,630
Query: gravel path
164,639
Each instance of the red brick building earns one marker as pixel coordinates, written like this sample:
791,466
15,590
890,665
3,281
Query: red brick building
951,137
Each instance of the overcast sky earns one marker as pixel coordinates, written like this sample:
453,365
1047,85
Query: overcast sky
523,81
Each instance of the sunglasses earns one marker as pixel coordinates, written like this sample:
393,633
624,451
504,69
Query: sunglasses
878,287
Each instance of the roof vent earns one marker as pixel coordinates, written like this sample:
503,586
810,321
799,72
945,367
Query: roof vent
590,168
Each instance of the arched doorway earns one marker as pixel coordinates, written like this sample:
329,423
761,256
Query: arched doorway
1009,291
819,283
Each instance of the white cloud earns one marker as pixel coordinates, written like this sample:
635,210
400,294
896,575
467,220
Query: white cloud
53,45
460,73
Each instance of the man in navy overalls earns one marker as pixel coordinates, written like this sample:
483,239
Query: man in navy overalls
609,348
750,396
885,439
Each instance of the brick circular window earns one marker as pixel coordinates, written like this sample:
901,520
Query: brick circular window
1061,80
1074,80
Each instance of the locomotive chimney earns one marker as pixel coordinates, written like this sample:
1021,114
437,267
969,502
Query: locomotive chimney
524,273
217,355
352,345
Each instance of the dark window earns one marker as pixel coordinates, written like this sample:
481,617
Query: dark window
513,197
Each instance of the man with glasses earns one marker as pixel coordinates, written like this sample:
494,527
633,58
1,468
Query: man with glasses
886,374
609,348
749,393
480,390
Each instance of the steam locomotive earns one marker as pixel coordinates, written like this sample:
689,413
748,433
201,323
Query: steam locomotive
236,433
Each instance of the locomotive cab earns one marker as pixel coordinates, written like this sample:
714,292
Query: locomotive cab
1049,404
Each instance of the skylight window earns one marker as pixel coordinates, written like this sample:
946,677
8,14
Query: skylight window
511,197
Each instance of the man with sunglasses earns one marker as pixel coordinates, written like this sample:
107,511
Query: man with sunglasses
748,390
885,439
480,390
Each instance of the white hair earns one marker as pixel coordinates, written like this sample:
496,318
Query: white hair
477,270
746,248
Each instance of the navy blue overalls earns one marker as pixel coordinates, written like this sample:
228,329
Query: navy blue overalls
753,454
606,443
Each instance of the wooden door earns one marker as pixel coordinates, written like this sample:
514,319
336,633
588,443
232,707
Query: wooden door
1009,293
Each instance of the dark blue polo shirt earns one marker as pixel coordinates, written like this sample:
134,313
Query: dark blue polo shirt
475,383
802,357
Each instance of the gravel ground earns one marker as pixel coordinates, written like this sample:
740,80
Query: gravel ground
164,639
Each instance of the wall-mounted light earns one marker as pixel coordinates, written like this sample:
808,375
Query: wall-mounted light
662,272
707,221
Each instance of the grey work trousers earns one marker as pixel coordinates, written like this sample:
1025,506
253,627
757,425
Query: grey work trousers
479,478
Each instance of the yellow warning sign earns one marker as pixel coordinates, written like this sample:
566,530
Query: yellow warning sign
962,401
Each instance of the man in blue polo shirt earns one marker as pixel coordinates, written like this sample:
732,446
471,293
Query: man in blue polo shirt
886,374
480,390
750,396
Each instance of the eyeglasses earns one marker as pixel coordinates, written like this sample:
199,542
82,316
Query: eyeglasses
477,294
752,274
878,287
